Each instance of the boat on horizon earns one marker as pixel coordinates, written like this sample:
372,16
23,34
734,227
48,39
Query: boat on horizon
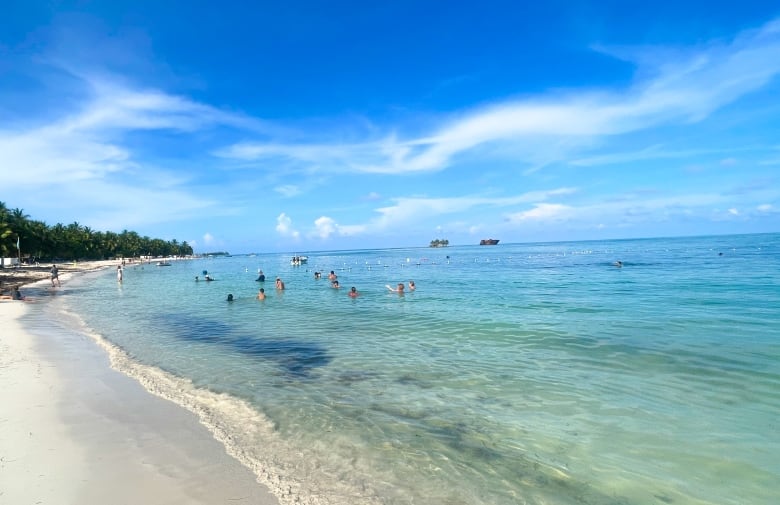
489,241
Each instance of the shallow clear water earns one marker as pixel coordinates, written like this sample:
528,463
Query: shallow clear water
517,373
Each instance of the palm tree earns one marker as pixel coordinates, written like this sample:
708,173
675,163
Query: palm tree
6,234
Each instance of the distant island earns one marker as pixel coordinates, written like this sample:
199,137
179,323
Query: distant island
440,243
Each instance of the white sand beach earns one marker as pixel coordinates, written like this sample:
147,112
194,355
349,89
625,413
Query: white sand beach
75,431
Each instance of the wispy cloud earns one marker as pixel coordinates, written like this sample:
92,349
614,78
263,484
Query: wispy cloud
681,87
406,210
87,154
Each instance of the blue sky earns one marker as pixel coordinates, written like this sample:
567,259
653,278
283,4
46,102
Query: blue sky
304,126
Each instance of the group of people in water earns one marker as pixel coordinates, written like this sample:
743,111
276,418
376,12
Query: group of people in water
334,283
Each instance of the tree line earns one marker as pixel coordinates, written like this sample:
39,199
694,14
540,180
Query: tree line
75,241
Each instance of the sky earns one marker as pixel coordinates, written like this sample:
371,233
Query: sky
312,125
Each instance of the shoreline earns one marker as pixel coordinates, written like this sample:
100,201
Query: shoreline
77,430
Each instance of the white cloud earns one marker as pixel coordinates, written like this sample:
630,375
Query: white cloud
542,212
406,210
288,190
284,226
681,88
765,207
208,238
325,227
733,211
372,196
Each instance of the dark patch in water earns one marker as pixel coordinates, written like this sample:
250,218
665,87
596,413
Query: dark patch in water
414,381
351,377
295,357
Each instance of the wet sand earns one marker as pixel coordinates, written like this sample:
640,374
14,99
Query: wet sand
75,431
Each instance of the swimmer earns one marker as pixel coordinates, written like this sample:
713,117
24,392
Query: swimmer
15,295
261,294
412,287
332,276
230,297
260,276
618,264
399,289
353,293
335,285
279,284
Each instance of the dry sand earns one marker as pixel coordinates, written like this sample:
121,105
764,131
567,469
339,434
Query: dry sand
75,431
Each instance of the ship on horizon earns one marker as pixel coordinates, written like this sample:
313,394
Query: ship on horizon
488,241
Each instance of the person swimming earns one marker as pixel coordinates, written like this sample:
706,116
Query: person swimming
230,297
399,289
260,276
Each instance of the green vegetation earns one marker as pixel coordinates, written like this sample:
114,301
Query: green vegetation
74,241
440,243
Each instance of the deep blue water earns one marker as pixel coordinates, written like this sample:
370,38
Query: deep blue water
517,373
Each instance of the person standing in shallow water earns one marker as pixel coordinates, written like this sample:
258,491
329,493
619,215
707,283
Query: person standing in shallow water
261,294
55,275
119,274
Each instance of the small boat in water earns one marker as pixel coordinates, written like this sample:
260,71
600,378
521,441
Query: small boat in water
489,241
163,264
298,260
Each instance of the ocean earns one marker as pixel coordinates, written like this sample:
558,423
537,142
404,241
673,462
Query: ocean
514,374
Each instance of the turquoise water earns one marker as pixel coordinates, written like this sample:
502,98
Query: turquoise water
517,373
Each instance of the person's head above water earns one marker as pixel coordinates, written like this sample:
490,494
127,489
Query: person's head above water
230,297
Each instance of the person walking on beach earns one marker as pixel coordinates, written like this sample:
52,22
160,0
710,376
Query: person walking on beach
55,275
